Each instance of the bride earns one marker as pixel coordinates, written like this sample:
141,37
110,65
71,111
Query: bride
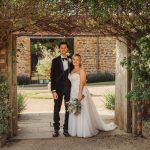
88,122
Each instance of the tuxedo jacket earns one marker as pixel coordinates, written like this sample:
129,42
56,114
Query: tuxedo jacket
59,77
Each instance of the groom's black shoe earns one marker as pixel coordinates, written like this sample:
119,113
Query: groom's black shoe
66,133
56,134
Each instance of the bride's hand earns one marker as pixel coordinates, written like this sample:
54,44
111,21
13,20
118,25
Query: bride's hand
80,97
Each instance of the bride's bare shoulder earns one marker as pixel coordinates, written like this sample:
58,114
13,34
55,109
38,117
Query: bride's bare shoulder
82,70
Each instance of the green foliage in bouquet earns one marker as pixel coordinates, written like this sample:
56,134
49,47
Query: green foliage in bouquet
74,106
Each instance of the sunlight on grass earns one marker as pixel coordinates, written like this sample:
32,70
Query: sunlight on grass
37,95
45,94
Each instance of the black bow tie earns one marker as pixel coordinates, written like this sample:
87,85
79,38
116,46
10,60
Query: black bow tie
64,59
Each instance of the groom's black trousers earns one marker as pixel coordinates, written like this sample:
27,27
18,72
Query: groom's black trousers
64,93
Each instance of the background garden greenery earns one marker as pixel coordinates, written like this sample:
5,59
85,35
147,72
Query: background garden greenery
4,106
110,101
139,63
21,103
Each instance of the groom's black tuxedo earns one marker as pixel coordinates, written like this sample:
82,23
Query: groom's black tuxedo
58,75
61,84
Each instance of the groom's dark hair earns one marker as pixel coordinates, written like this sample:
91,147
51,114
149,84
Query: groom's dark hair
63,43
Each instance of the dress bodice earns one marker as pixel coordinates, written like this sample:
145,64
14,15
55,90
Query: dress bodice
75,82
74,78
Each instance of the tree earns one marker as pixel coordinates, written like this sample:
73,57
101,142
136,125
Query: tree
43,68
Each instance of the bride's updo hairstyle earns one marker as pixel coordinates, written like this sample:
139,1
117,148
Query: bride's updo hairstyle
79,56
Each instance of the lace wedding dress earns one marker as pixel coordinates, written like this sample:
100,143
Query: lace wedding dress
88,122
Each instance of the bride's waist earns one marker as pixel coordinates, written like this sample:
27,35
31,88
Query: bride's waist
77,86
76,89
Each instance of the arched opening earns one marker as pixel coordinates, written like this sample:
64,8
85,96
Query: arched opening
122,110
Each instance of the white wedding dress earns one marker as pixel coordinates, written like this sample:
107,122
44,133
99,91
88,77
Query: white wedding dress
88,122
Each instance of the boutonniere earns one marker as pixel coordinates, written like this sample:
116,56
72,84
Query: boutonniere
69,59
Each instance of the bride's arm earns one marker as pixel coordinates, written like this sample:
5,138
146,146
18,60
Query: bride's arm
82,83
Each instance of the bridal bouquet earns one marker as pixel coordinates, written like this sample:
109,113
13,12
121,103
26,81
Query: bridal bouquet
74,106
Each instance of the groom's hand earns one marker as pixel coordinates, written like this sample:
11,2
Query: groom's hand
55,95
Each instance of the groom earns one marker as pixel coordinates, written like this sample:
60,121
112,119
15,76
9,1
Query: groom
60,86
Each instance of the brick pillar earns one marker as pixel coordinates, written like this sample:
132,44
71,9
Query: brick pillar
23,56
3,66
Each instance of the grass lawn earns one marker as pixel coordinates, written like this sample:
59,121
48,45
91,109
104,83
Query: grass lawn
41,92
89,84
37,94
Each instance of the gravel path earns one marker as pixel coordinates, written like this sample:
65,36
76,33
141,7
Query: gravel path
103,141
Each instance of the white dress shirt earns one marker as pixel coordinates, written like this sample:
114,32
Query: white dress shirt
65,63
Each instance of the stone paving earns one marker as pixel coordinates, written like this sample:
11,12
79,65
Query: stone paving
39,125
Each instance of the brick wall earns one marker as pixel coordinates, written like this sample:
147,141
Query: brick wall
97,54
3,64
87,48
107,58
23,56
